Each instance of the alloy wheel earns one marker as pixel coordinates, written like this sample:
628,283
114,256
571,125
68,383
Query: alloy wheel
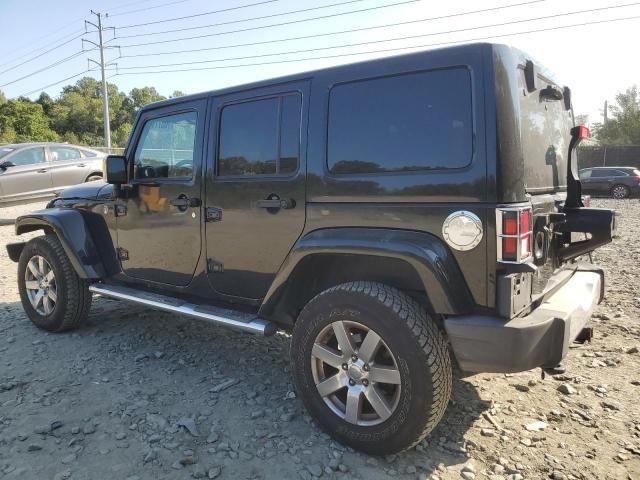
619,191
40,284
356,373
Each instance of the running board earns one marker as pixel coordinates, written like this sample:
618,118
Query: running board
220,316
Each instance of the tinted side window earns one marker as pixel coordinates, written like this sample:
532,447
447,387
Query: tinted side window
600,173
584,174
61,154
260,137
29,156
417,121
165,148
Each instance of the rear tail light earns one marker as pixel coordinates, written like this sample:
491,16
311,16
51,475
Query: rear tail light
514,228
637,179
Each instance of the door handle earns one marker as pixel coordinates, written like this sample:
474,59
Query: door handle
43,170
81,165
183,202
276,203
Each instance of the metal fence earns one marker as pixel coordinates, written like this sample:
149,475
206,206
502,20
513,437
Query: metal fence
615,155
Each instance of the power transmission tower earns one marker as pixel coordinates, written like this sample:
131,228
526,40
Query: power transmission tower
105,94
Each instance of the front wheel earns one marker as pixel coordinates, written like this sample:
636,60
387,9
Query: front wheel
52,294
620,191
371,367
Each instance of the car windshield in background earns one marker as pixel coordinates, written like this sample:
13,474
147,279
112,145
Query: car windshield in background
5,151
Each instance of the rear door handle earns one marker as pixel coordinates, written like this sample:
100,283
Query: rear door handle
43,170
81,165
276,203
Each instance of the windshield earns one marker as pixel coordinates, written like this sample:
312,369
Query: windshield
4,151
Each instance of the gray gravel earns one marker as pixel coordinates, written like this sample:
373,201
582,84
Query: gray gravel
138,394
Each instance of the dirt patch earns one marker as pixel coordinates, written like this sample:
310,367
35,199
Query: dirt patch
138,394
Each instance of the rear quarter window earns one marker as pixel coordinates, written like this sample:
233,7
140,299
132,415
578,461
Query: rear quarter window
403,123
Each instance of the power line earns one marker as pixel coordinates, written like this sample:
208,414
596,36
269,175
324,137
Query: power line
175,19
451,42
404,2
42,54
142,9
546,17
409,37
54,83
326,34
262,17
52,65
37,49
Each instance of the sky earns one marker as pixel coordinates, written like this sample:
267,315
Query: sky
41,40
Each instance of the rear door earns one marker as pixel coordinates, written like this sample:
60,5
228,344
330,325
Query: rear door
29,177
68,167
602,180
257,188
159,236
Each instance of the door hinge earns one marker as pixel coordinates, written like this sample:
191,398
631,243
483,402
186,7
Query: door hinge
123,254
215,266
212,214
120,210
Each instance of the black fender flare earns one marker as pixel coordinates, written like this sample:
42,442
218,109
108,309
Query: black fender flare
432,260
71,227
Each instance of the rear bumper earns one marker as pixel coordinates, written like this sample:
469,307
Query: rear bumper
540,339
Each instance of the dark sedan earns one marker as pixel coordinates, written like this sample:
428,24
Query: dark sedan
616,182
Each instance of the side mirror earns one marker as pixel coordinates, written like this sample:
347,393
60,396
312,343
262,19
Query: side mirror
7,164
116,170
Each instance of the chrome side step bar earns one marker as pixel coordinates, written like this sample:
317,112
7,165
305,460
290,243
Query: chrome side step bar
220,316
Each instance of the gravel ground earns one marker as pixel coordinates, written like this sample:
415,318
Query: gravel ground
138,394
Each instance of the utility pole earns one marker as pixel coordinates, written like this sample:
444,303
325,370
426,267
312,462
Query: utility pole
105,94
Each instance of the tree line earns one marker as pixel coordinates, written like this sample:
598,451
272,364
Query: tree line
75,116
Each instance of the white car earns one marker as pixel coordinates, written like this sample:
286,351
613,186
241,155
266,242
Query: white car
39,170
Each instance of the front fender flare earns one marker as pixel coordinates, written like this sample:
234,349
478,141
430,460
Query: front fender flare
432,260
71,228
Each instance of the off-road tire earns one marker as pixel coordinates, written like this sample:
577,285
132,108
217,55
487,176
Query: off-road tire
620,191
414,339
74,299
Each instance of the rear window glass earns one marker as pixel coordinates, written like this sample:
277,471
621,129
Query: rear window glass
260,137
600,173
90,153
417,121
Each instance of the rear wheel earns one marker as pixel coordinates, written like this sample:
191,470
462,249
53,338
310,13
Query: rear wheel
371,366
52,294
620,191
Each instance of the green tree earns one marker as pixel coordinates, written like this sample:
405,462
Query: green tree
121,135
140,97
24,121
3,98
177,93
623,128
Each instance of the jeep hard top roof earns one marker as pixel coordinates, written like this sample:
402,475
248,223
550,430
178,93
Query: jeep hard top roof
471,48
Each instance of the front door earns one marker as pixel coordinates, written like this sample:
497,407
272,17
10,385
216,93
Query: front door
257,187
159,236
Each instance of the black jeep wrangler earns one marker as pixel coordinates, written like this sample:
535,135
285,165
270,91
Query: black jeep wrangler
395,215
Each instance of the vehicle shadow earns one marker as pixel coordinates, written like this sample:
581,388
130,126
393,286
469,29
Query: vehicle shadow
178,366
